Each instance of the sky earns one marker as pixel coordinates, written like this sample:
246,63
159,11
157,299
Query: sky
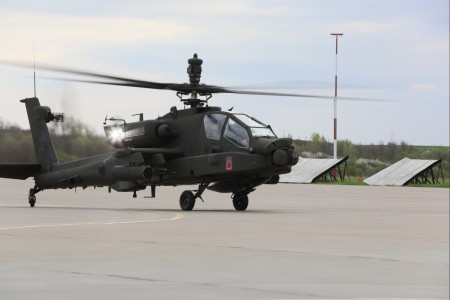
395,50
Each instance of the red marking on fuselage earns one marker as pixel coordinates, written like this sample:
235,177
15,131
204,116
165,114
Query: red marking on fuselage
228,163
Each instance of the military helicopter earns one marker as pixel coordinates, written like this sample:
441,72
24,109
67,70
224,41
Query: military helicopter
200,145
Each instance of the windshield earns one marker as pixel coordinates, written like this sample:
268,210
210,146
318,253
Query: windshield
213,125
237,134
257,128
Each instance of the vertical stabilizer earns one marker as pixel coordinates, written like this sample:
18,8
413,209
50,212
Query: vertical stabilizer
38,117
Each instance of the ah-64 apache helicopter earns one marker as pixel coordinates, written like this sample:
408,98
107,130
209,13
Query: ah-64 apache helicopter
218,150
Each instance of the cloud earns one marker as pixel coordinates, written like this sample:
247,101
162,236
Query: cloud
221,8
423,87
58,32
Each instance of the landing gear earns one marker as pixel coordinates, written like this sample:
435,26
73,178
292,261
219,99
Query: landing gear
32,200
187,200
240,201
240,194
32,196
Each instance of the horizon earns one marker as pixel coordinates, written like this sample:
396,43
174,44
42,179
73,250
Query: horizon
11,126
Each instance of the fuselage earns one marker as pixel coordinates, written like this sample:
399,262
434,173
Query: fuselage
191,146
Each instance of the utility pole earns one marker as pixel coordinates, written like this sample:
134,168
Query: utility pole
337,35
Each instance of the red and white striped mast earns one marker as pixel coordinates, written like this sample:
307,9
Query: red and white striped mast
337,35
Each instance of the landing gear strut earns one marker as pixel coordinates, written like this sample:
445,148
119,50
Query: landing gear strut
187,198
32,196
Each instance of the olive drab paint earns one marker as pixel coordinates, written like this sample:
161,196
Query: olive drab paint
219,150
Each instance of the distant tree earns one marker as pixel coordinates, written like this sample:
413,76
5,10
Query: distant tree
73,140
71,127
315,138
347,149
391,150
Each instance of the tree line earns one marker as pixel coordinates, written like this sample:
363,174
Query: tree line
366,160
74,140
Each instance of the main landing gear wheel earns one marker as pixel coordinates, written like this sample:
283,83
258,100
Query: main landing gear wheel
187,200
32,200
240,202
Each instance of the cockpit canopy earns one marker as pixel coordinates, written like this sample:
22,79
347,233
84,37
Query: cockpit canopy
257,128
238,128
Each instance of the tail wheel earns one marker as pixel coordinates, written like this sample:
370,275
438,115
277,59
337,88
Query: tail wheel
187,200
32,200
240,202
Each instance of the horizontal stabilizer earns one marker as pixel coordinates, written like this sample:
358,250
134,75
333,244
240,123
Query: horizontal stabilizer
19,171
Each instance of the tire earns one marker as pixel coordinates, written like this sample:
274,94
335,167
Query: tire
240,202
187,200
32,200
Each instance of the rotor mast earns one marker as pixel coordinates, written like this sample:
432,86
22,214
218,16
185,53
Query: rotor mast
194,71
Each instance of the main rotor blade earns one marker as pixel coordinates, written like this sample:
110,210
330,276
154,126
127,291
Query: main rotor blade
169,86
121,81
212,89
298,85
148,84
303,95
185,88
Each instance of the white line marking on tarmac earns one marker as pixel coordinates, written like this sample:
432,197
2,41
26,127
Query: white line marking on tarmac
388,214
176,217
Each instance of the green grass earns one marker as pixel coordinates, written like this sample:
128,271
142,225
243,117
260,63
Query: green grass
351,181
445,184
